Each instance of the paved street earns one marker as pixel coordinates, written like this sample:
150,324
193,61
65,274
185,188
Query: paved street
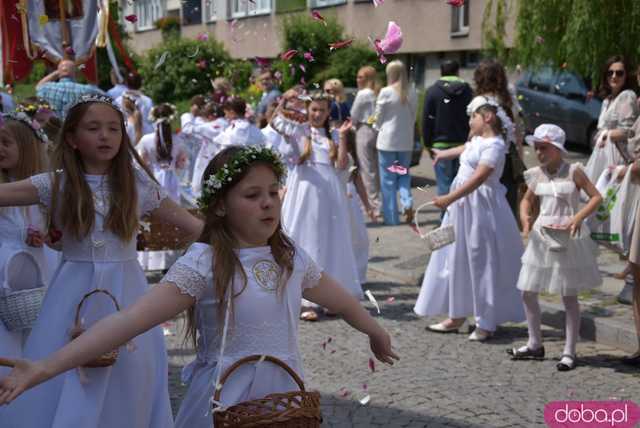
442,380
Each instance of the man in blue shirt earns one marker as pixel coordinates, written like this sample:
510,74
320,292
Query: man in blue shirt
65,90
270,94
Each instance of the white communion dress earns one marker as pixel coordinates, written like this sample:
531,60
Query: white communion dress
263,321
477,274
134,391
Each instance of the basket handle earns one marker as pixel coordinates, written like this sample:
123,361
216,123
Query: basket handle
86,296
415,218
253,358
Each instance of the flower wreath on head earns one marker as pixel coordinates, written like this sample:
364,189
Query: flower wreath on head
153,114
33,108
238,163
24,118
507,124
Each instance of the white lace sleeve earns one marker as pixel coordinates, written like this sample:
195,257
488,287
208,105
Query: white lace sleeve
150,193
191,272
43,184
492,152
312,272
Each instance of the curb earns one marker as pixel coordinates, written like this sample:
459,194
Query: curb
608,332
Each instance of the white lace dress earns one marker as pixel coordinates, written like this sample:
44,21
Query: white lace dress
545,267
14,224
477,274
315,212
205,133
134,391
263,322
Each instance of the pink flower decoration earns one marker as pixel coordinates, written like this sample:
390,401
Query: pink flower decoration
288,55
456,3
316,15
131,18
308,56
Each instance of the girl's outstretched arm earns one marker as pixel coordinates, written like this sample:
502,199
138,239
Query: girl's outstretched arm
333,296
18,193
595,199
163,302
480,175
448,154
172,213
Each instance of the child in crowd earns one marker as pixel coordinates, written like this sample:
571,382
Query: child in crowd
476,275
196,111
96,196
240,131
560,256
241,284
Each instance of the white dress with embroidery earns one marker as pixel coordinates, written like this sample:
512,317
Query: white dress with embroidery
315,212
477,274
14,224
205,133
262,321
134,391
569,270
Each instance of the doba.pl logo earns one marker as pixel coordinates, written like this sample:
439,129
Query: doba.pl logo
592,414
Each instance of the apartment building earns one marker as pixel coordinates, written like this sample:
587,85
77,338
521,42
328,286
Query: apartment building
433,30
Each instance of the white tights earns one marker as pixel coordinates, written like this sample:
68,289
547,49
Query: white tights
572,321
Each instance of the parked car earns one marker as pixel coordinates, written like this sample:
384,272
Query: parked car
562,98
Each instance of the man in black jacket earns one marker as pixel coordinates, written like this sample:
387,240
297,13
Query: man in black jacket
445,123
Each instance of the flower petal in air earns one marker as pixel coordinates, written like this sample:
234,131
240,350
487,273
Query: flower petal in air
340,44
203,37
308,56
131,18
456,3
392,41
316,15
372,365
288,55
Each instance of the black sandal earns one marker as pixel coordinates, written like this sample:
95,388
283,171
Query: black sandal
528,354
562,367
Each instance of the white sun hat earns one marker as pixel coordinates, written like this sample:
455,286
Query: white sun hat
550,134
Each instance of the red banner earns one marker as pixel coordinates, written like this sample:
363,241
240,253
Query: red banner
16,64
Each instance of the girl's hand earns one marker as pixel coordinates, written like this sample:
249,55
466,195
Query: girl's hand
436,155
381,347
345,127
602,141
442,202
574,226
621,174
25,374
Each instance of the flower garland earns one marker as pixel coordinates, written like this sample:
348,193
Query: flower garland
238,163
33,108
153,114
24,118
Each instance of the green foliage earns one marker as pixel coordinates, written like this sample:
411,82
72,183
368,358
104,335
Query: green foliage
187,69
38,71
169,26
577,34
286,6
304,34
345,63
494,24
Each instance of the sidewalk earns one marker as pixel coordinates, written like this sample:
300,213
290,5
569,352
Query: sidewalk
397,253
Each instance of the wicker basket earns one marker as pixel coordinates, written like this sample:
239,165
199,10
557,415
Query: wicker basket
163,236
299,409
436,238
19,309
109,358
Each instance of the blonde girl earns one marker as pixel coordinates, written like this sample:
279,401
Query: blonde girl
340,108
560,257
241,285
315,212
476,275
95,197
22,229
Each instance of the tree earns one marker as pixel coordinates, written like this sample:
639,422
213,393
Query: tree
578,35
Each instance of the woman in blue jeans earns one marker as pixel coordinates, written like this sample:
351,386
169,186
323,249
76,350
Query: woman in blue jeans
395,118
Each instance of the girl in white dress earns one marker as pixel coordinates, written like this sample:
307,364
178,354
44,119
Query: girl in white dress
96,198
240,131
315,212
477,274
163,152
22,229
241,284
560,257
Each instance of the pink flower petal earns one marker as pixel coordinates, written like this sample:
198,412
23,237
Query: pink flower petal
303,68
340,44
309,56
131,18
456,3
203,37
397,169
372,365
377,3
288,55
316,15
392,41
390,300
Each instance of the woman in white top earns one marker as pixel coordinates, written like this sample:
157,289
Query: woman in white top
362,114
395,117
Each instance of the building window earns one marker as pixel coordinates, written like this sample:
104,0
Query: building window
240,8
191,12
323,3
460,19
210,8
148,12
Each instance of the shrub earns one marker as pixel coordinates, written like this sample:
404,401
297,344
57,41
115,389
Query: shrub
188,67
345,63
